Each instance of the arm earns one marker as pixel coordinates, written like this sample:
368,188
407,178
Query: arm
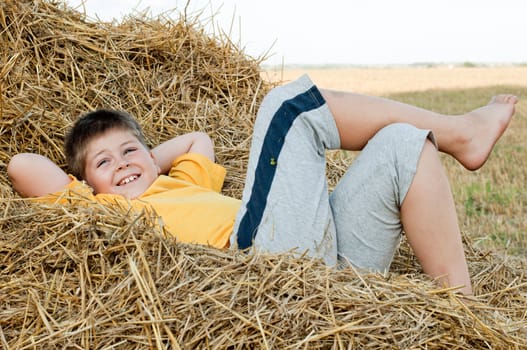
34,175
195,142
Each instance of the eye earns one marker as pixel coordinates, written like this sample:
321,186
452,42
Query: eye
101,163
130,150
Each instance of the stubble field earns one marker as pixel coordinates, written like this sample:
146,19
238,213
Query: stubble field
491,202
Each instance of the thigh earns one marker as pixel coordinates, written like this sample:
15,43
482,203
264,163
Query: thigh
285,203
366,202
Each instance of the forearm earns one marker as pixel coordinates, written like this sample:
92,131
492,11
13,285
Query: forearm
195,142
33,175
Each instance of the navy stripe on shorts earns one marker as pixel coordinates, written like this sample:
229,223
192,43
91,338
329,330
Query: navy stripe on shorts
266,168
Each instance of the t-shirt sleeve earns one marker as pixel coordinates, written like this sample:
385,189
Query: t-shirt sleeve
199,170
73,192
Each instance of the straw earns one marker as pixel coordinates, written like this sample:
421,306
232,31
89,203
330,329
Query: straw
97,277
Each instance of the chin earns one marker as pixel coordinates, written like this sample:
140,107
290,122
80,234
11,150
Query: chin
133,194
128,195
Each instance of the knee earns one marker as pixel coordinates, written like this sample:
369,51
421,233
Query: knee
396,138
400,137
404,145
396,132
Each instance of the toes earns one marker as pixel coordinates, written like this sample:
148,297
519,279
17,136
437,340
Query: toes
512,99
504,98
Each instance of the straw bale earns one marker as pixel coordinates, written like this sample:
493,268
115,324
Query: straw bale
56,65
95,277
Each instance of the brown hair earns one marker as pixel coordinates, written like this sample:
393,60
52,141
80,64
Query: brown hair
91,125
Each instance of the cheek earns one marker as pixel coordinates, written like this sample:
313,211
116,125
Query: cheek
97,180
154,168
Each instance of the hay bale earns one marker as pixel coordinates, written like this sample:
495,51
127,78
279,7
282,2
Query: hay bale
170,75
96,277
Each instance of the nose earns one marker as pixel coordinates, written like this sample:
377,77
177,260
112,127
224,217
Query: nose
123,163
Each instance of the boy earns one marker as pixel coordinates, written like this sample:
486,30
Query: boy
397,181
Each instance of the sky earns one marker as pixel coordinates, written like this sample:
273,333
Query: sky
352,32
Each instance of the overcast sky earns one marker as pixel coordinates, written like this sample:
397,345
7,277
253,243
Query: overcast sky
356,31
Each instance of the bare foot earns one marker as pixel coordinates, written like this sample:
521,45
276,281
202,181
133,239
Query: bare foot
484,127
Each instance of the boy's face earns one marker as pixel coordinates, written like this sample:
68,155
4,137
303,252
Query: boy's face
117,163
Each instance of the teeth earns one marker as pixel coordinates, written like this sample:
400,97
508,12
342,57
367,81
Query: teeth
128,180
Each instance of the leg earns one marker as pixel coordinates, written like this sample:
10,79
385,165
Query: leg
367,200
468,138
397,183
430,221
285,203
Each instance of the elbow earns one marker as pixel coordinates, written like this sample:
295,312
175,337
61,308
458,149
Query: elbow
17,167
210,147
203,144
202,137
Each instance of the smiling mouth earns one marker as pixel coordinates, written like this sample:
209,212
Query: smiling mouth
127,180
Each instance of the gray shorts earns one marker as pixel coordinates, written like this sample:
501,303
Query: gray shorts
286,204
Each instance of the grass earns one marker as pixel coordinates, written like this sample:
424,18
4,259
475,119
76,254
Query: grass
491,202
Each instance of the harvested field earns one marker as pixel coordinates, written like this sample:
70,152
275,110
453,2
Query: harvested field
491,202
95,277
393,80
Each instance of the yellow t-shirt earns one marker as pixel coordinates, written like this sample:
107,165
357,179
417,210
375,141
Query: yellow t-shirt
188,200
